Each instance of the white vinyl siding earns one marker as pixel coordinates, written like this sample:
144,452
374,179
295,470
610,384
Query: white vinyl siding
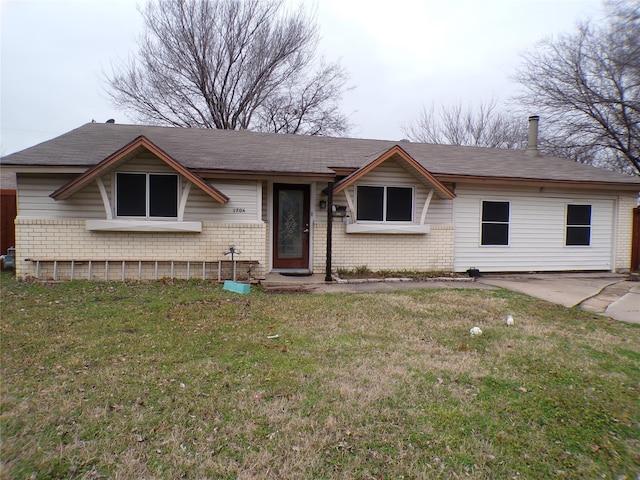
265,201
578,232
34,200
537,231
392,174
495,223
441,209
244,205
389,203
144,164
147,195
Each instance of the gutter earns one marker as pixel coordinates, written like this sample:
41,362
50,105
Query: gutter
537,182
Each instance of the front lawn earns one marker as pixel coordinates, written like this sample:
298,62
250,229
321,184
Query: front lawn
185,380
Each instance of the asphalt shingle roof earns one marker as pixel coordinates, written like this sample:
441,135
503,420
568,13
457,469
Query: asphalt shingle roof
243,151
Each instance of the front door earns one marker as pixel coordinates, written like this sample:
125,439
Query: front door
635,241
291,226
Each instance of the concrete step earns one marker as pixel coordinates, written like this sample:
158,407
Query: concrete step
300,288
280,280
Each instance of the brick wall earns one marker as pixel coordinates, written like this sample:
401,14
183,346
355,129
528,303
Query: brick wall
430,252
68,240
624,233
61,240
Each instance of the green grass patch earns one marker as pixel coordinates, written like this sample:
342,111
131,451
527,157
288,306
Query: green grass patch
186,380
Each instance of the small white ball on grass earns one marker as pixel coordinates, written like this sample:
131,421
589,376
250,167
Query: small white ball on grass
475,331
509,320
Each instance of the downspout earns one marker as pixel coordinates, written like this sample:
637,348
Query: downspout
327,276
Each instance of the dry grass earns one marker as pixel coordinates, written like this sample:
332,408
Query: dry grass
181,380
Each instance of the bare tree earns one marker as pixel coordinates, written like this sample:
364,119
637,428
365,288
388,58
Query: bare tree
586,85
311,108
484,126
228,64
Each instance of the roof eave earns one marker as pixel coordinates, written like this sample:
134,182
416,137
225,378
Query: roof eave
537,182
253,174
140,142
45,169
393,151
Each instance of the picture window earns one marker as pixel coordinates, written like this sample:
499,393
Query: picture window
146,195
384,204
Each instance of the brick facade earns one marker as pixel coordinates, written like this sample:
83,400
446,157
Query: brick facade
66,240
624,233
429,252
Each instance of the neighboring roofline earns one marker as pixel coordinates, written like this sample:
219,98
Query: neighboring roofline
140,142
393,151
536,182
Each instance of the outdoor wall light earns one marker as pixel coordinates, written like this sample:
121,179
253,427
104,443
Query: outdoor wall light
323,204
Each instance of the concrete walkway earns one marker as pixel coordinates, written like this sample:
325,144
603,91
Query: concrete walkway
277,283
607,294
611,295
620,301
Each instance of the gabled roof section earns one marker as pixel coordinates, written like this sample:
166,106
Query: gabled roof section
127,152
395,152
210,152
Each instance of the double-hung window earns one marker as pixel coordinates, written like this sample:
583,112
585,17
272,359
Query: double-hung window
495,223
146,195
578,231
384,204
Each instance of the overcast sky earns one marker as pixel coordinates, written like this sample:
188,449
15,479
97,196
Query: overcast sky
400,54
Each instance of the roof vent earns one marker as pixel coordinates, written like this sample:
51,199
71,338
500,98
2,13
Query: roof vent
111,120
532,139
405,140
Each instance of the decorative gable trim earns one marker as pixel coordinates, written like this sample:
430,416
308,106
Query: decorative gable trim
125,153
394,152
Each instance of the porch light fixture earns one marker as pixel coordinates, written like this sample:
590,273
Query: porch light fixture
323,204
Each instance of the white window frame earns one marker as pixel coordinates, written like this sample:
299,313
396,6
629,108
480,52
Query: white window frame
147,191
384,205
482,223
567,225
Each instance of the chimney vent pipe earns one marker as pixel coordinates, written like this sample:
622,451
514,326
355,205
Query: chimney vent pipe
532,139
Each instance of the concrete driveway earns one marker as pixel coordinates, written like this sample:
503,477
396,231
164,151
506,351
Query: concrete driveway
606,294
610,295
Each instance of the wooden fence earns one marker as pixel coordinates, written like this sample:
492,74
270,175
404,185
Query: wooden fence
8,212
